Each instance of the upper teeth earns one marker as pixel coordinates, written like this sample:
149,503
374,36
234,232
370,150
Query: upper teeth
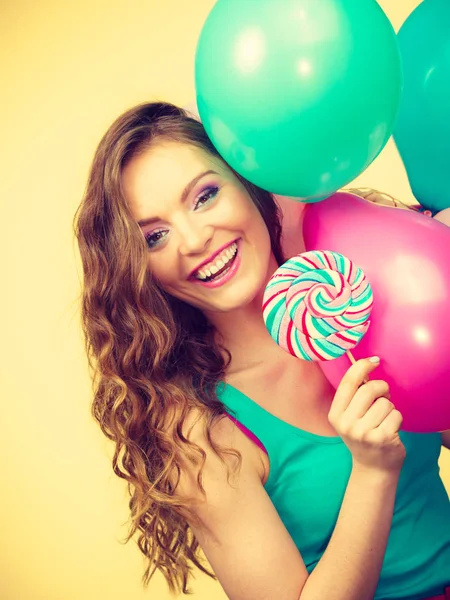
218,263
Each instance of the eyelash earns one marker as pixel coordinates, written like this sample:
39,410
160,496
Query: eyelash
210,193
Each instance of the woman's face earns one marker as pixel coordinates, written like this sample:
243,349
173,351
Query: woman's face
208,244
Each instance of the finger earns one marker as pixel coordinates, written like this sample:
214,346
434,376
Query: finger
387,430
376,414
364,398
391,424
350,383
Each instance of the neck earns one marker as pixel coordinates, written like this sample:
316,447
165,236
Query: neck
244,334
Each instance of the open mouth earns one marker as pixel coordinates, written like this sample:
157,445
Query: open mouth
219,267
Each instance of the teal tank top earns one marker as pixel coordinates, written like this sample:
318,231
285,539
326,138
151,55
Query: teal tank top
307,481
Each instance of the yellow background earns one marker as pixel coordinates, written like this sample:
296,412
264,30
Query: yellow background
67,70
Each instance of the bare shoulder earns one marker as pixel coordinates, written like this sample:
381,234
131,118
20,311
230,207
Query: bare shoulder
235,521
226,435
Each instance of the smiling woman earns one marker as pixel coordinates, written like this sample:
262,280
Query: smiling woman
145,226
196,225
226,440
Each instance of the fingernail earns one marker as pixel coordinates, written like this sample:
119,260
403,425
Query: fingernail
374,359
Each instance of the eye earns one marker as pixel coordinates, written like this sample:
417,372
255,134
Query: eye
206,196
155,237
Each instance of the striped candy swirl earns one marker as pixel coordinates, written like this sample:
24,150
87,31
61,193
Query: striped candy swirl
317,305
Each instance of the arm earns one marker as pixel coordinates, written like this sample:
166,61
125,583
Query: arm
446,438
251,551
350,566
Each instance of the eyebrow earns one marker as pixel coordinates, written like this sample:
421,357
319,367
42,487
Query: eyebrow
184,195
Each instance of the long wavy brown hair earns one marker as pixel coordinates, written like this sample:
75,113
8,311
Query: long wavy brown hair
152,357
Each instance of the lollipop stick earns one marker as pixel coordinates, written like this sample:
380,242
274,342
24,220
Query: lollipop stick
350,355
352,360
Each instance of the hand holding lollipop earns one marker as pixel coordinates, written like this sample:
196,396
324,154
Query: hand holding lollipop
317,305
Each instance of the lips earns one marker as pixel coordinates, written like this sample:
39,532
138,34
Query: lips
203,266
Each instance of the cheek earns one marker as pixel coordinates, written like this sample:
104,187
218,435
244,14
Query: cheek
249,220
258,229
243,214
163,267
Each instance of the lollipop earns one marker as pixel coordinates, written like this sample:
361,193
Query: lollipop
317,305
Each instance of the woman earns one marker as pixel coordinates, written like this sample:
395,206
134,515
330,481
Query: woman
226,441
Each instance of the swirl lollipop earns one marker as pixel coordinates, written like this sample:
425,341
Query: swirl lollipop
317,305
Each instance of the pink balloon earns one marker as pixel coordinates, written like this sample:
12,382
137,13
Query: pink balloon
406,257
443,216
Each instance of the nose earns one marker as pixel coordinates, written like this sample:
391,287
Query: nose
194,237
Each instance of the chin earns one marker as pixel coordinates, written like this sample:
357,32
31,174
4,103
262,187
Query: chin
238,299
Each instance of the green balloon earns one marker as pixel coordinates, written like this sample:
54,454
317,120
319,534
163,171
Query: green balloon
298,96
422,130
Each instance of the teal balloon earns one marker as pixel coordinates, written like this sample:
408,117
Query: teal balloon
422,131
298,96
